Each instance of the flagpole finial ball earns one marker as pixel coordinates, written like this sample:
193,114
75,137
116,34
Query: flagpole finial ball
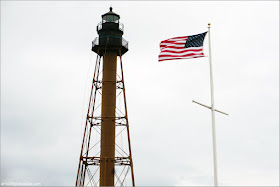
209,24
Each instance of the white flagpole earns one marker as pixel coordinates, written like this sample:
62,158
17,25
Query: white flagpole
213,114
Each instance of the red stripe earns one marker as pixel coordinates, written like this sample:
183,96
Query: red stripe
183,51
175,47
184,40
187,55
179,58
172,47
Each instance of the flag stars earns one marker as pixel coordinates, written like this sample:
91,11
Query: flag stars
195,40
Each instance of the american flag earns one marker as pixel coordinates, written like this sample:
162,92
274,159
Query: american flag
182,47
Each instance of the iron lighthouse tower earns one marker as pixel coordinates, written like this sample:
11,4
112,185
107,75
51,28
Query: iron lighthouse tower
106,158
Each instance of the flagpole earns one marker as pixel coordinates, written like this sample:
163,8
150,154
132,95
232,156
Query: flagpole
213,114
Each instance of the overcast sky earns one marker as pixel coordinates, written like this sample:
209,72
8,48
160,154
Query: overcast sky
47,64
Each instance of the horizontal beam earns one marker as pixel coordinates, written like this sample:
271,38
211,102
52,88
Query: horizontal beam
210,107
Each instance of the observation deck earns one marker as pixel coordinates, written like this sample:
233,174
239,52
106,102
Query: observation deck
101,45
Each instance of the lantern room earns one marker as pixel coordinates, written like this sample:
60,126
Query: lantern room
110,32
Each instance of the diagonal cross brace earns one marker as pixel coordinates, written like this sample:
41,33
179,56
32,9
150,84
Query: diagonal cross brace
209,107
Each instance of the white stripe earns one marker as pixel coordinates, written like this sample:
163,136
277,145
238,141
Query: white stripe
177,42
174,58
183,49
172,44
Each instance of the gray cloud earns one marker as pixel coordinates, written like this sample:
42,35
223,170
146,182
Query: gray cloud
47,65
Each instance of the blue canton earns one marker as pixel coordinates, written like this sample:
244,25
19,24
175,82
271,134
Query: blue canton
195,40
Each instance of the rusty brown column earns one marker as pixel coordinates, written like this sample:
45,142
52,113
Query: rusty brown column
108,119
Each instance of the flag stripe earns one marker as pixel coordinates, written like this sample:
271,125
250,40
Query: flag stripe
174,41
177,58
179,44
181,55
175,50
176,38
175,47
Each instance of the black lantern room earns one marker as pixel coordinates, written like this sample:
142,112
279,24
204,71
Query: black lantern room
110,32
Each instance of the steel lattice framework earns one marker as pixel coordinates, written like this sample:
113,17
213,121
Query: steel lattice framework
90,158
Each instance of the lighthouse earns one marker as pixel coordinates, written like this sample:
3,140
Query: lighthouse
109,46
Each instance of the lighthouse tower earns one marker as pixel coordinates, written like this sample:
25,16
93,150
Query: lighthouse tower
106,158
